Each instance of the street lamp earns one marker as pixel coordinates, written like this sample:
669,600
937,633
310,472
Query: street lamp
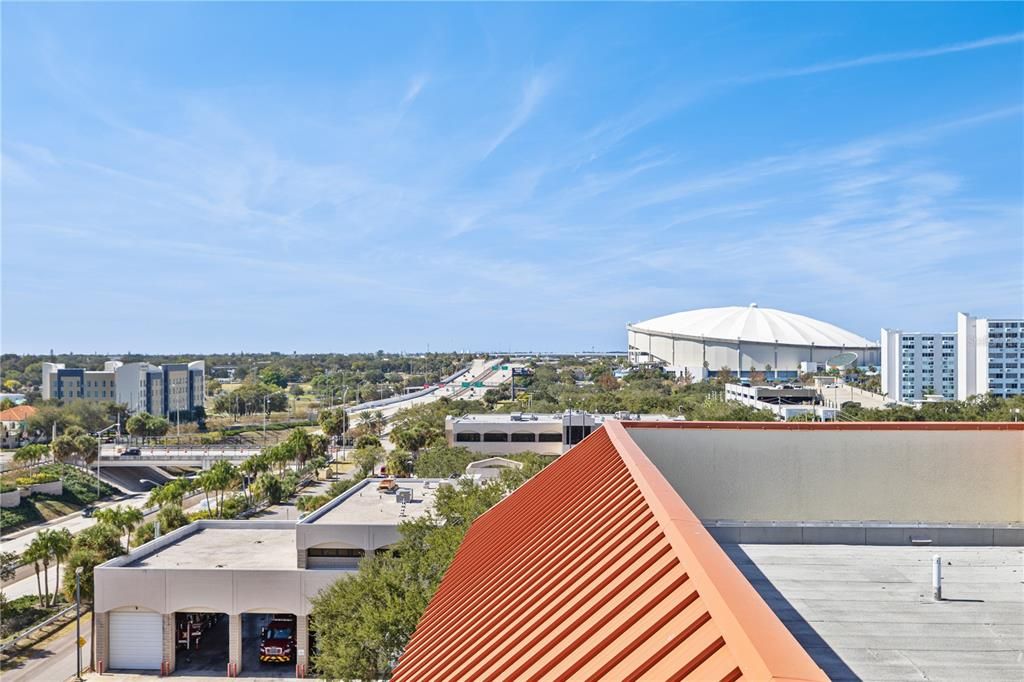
99,451
266,408
78,621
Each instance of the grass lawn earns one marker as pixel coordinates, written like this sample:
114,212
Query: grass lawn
51,507
79,491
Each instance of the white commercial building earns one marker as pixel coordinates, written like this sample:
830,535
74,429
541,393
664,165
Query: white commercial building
248,571
916,364
742,339
507,433
173,390
983,356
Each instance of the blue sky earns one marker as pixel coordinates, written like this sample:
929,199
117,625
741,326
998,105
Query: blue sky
313,177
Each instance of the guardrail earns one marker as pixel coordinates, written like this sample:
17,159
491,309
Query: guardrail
17,637
409,396
198,456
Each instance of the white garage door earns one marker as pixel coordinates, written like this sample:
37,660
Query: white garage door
136,639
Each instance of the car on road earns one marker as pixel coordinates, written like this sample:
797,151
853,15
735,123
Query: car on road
131,452
87,512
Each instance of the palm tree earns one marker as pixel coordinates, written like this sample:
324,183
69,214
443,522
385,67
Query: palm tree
40,551
131,517
124,519
34,553
61,542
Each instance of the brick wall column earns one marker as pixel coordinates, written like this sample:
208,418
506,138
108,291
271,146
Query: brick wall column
302,642
235,642
301,558
102,640
170,645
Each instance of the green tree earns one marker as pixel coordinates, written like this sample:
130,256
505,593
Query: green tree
64,449
366,460
91,547
213,387
31,455
9,563
300,445
47,417
217,480
415,436
125,519
268,487
442,461
37,553
368,440
399,463
333,422
274,377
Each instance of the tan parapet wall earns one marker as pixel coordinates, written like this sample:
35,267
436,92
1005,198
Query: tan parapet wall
933,474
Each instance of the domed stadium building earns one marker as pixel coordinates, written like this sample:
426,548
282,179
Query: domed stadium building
744,338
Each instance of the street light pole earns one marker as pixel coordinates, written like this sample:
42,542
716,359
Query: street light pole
266,406
78,621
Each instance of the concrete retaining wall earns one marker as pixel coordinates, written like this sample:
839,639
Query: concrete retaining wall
51,488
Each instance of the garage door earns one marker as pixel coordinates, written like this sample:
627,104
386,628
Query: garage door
136,639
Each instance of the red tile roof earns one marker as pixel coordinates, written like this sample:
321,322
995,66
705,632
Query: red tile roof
17,414
596,569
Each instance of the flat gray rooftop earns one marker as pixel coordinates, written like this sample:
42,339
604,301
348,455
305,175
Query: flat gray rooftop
867,612
365,504
228,548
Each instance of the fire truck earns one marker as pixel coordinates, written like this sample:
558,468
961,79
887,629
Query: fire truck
277,640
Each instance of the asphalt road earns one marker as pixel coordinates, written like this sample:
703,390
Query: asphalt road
25,581
54,659
19,541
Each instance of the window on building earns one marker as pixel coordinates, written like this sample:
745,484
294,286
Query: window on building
335,552
523,438
495,437
467,437
549,438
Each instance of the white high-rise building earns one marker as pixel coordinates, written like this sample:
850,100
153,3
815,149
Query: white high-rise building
989,357
916,364
984,355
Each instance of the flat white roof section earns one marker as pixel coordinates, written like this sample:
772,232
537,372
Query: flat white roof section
364,504
868,613
228,548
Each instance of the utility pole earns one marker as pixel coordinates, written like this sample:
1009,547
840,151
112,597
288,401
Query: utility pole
266,408
78,622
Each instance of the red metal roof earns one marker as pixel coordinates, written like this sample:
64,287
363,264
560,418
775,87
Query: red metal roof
596,569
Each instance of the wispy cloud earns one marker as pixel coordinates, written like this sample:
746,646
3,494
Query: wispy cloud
536,88
414,90
886,57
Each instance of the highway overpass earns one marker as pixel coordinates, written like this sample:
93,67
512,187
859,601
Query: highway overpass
174,455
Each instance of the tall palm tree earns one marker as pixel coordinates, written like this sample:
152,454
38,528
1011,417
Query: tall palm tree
60,547
40,551
34,554
131,517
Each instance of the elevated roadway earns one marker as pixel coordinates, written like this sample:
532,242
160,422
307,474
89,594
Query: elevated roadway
175,456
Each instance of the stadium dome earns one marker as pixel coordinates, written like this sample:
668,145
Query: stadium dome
743,338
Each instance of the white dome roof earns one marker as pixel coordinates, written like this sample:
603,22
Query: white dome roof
753,324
